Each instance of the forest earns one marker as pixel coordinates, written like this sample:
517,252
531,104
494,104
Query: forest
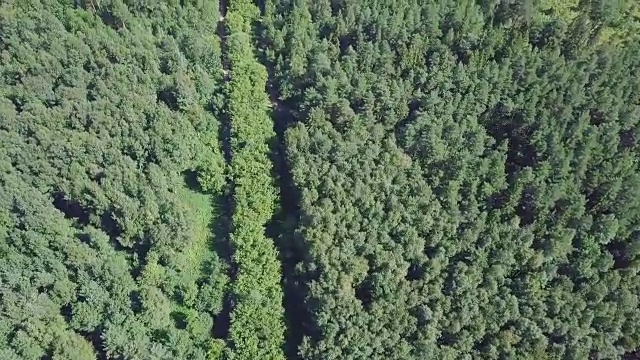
319,179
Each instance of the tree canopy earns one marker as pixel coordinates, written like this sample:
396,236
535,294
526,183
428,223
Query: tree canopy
319,179
106,251
468,173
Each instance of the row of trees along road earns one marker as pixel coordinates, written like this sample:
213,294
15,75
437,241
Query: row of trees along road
468,172
257,327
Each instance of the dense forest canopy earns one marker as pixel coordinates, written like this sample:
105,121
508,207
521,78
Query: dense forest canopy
106,250
468,176
319,179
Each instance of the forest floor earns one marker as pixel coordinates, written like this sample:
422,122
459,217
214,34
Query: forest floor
201,210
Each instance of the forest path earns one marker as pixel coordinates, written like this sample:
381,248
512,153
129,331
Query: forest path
225,128
222,323
222,34
285,222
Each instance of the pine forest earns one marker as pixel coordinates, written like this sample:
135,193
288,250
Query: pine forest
319,179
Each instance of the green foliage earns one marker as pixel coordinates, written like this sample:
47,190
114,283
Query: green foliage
466,171
462,177
104,252
257,328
